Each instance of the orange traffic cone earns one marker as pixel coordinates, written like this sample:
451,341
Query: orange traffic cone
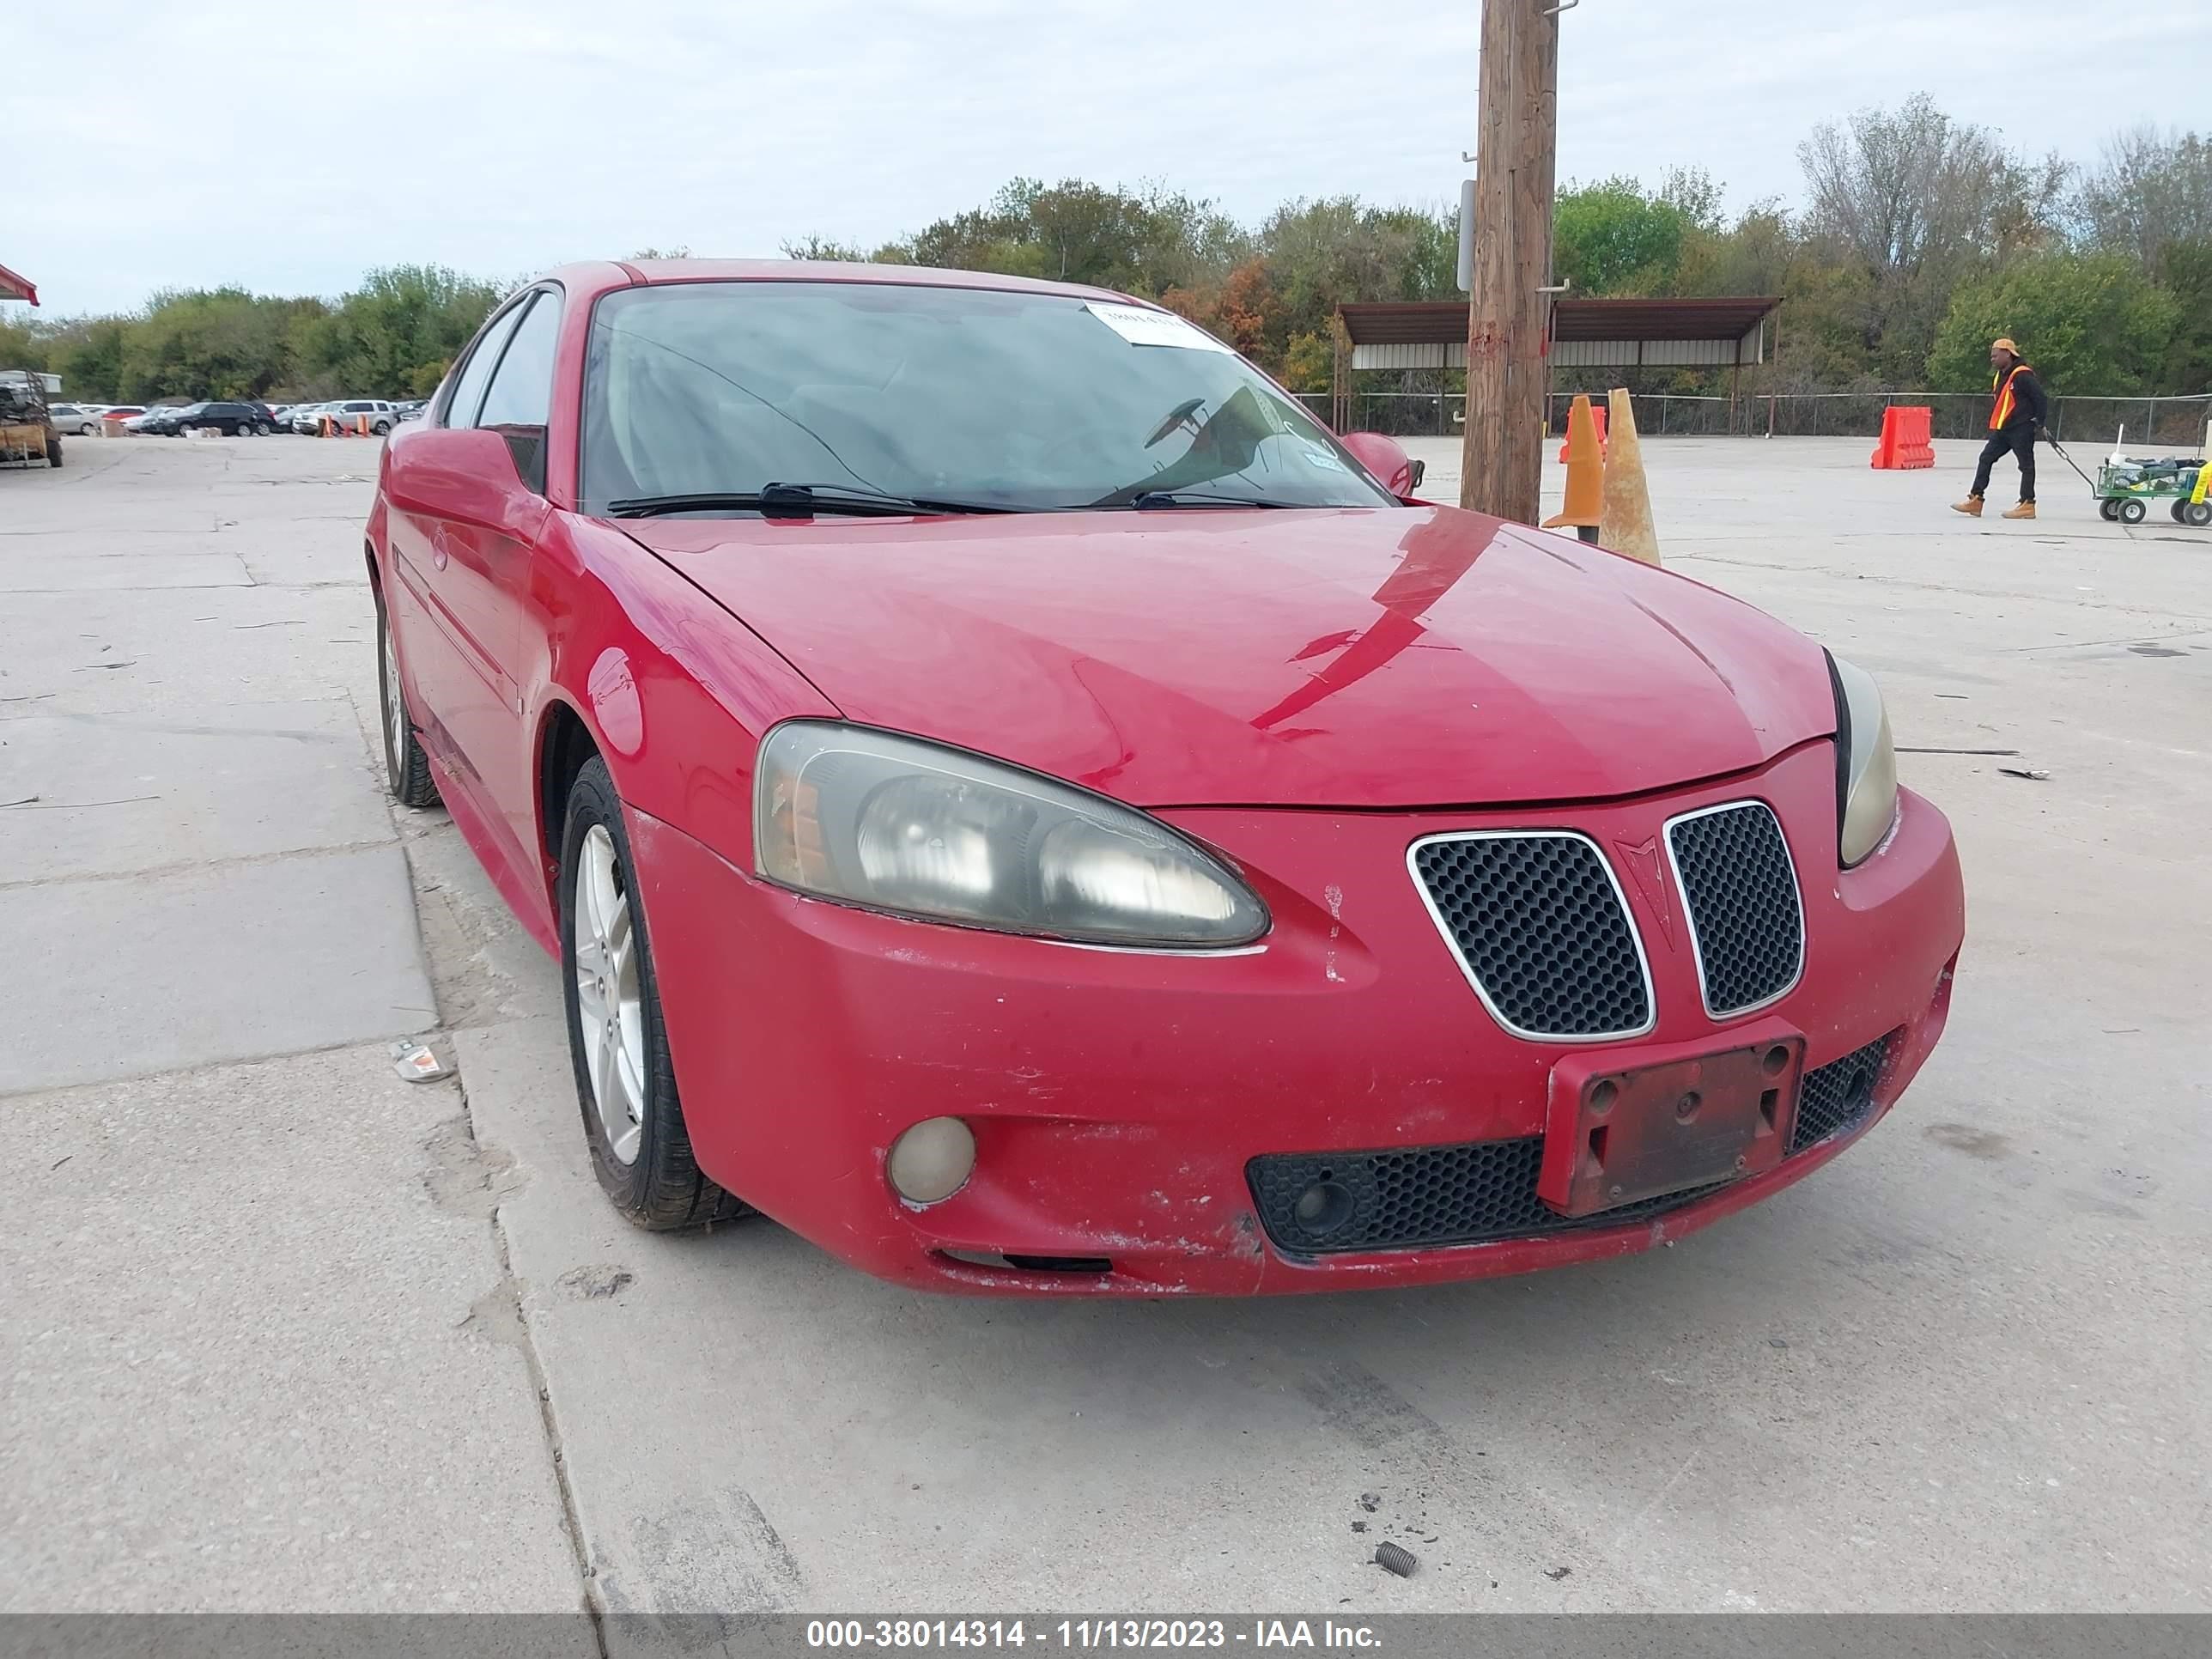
1585,460
1625,524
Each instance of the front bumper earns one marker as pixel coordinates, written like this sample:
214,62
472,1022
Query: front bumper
1119,1099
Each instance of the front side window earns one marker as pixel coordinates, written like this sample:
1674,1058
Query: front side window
522,385
1019,400
468,389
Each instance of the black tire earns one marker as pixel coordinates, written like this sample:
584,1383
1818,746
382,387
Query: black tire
407,776
662,1188
2108,510
54,449
2132,512
382,428
2197,514
262,429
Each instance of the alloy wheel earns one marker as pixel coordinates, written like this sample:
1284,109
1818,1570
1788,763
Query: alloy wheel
608,1011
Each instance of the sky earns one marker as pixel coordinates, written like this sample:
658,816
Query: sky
288,147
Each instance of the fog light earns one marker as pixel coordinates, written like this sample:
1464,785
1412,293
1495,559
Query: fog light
932,1161
1323,1207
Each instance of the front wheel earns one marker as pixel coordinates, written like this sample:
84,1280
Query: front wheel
2108,510
2197,514
262,428
54,450
2132,512
625,1083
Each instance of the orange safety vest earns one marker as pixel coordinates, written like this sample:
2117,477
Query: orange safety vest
2003,387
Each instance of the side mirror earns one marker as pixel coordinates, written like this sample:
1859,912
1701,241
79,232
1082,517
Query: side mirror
470,473
1386,458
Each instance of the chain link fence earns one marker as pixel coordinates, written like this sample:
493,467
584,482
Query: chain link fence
2096,422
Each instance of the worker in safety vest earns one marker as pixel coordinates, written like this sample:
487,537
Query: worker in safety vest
2015,418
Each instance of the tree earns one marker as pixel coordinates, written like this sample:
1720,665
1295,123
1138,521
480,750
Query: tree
1916,201
1611,238
822,247
399,332
2152,191
2093,324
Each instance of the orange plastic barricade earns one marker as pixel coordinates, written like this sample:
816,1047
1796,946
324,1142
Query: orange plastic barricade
1599,411
1906,439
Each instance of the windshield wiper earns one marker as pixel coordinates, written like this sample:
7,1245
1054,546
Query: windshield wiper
797,500
1152,498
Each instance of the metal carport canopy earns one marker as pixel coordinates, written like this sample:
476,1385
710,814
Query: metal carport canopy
13,287
1725,332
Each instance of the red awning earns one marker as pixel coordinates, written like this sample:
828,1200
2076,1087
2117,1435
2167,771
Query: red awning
13,287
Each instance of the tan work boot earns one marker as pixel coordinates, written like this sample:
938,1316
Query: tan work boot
1971,506
2024,510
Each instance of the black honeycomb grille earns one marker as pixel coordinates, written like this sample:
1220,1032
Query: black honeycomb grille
1839,1095
1423,1196
1540,928
1429,1197
1742,897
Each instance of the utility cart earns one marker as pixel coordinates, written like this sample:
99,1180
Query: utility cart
2127,485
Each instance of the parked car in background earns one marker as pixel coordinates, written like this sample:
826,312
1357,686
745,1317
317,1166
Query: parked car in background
301,417
234,417
123,412
410,410
83,419
161,420
382,415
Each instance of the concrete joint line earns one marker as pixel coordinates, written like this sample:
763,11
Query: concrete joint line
508,1292
187,866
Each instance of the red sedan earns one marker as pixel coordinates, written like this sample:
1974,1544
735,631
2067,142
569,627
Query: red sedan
1018,803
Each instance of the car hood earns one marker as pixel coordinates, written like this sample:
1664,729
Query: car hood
1384,658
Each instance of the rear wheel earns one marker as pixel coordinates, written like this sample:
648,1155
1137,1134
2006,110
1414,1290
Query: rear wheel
2197,514
262,428
406,768
54,449
382,428
2108,510
2132,512
625,1084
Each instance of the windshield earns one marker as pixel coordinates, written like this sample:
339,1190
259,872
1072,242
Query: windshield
1011,399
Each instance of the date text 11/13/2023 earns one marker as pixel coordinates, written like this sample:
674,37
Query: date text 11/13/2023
1085,1634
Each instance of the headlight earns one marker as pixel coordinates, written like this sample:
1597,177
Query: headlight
1866,763
898,825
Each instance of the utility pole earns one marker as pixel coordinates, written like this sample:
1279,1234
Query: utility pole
1509,323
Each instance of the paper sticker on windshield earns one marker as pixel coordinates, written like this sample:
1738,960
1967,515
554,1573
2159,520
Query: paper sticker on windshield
1141,326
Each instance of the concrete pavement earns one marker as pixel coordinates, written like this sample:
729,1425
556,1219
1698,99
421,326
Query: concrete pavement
258,1351
1960,1368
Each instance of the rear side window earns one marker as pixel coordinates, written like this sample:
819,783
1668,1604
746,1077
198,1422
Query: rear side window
468,389
522,386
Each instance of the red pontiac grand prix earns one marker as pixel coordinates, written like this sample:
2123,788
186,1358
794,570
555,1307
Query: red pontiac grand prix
1020,803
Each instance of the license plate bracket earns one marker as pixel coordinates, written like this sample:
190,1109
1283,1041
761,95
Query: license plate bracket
1622,1127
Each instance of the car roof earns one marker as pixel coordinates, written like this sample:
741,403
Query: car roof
600,277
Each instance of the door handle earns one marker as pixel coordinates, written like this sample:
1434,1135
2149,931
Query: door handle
438,552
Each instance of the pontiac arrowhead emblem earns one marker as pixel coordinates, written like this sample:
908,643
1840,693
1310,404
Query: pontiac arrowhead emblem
1643,860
